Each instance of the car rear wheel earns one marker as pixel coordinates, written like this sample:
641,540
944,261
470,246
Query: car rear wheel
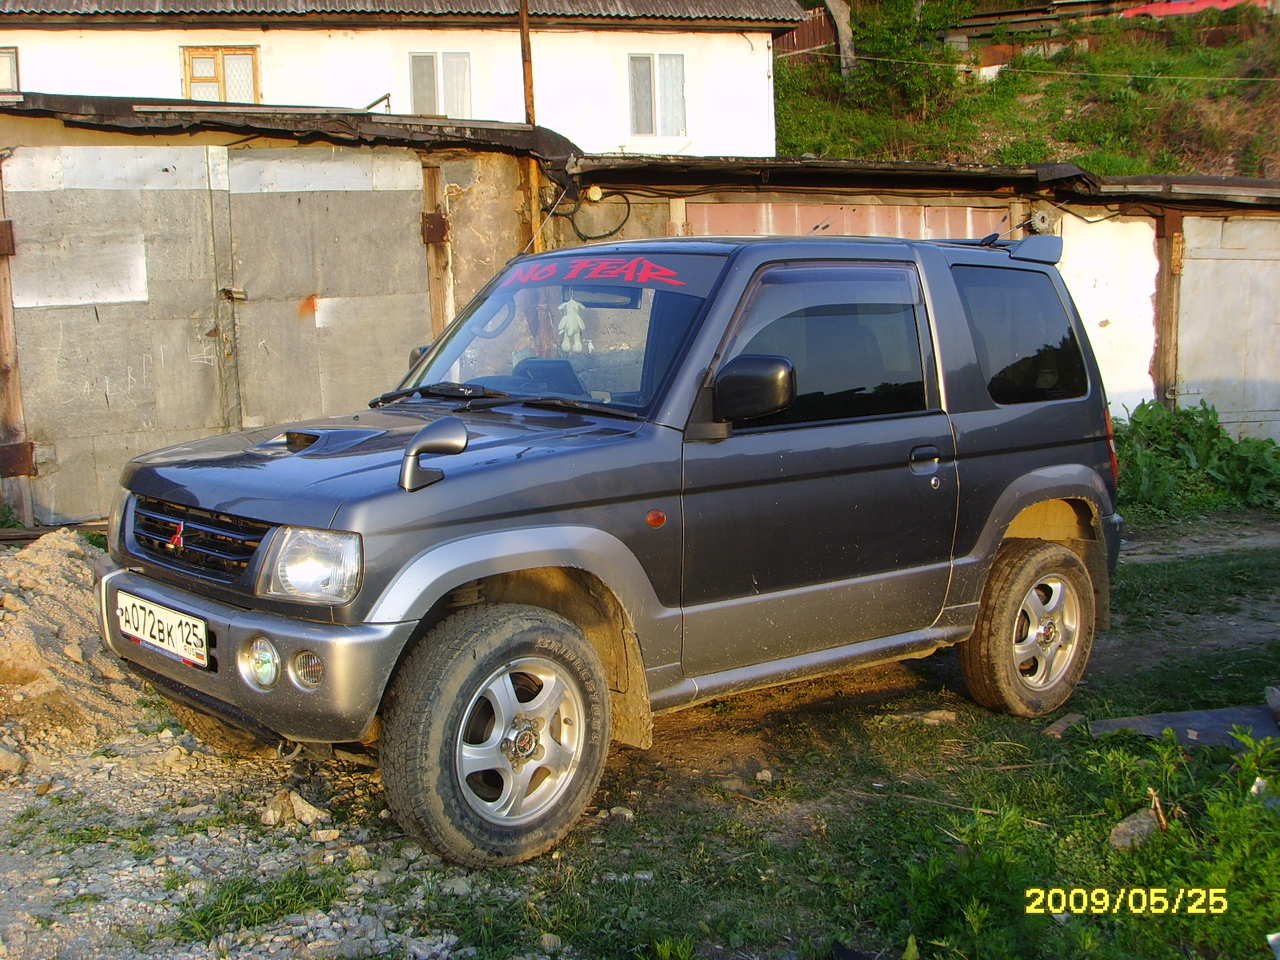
1035,630
495,734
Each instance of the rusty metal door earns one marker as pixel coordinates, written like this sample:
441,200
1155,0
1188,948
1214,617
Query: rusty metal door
328,278
1228,326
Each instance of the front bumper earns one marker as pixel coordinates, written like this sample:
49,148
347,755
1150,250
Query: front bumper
358,661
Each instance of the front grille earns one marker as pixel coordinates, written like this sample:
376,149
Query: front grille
217,546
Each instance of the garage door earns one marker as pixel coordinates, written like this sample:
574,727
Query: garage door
1228,325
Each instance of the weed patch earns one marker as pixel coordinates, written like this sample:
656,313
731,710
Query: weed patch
250,901
1178,464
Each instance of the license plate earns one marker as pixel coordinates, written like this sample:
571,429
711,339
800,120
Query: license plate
184,636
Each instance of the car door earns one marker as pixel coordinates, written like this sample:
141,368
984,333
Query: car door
832,521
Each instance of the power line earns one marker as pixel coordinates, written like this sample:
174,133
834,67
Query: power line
1056,73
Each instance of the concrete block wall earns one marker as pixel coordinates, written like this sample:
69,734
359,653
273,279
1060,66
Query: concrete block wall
130,266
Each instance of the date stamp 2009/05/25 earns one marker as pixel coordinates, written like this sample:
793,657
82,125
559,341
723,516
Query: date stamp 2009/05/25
1204,901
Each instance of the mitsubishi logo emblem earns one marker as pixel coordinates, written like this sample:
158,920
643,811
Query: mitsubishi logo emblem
176,542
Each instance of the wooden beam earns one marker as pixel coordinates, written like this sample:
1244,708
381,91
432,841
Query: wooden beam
1164,362
16,488
435,202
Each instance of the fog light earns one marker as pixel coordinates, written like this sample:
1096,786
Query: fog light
308,668
264,662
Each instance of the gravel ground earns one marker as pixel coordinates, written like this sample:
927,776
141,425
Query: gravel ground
121,836
128,848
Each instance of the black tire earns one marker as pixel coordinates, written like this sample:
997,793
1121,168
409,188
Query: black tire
1008,664
450,680
222,737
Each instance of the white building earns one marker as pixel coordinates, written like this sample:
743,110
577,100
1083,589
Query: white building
687,77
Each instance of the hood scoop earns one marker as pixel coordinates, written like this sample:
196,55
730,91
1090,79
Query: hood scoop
296,442
446,436
316,442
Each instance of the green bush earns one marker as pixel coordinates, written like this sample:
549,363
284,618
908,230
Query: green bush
903,30
1176,464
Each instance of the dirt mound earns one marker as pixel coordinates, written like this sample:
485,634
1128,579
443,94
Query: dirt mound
59,685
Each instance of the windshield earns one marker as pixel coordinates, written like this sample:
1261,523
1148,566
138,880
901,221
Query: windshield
601,329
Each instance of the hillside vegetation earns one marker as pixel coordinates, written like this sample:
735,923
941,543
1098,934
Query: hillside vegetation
1042,110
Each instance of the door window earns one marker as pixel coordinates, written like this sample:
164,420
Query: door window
851,332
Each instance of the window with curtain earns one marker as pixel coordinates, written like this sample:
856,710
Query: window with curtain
228,74
441,84
656,85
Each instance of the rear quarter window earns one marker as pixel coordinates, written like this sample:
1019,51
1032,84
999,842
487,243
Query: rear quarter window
1025,343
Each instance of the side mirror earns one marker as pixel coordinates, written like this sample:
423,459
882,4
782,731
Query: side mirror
416,354
446,436
753,386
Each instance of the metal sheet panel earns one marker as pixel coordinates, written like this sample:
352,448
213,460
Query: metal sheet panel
1228,328
328,250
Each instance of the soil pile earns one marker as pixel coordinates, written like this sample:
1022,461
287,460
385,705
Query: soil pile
59,685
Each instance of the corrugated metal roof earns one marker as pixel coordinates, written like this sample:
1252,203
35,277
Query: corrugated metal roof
765,11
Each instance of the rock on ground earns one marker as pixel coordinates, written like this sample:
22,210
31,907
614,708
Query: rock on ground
1134,829
58,682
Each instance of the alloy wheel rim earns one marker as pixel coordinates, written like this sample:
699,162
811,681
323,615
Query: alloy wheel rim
520,741
1046,632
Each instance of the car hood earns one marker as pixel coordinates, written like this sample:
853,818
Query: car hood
302,473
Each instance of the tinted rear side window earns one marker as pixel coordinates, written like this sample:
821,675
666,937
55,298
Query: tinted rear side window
1026,346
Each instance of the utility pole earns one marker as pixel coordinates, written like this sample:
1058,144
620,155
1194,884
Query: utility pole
529,165
526,59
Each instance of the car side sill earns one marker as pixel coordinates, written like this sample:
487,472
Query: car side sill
904,646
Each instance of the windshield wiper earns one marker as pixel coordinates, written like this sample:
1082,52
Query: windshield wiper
550,400
445,388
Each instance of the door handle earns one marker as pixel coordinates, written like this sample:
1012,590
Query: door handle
924,460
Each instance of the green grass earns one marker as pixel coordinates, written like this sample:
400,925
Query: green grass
249,900
1195,585
8,519
98,540
1107,125
873,832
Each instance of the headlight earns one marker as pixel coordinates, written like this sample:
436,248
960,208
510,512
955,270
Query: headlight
116,519
303,564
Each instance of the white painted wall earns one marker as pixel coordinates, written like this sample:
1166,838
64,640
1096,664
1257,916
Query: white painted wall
1110,269
580,77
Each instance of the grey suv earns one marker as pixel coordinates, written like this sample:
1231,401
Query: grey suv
631,478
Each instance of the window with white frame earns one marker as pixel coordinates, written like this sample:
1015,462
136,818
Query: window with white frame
657,94
8,69
441,84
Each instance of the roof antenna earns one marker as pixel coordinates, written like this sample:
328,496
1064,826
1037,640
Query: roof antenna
991,238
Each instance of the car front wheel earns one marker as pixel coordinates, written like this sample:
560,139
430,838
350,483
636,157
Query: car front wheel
495,733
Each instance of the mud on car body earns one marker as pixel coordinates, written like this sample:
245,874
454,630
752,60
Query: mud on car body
630,478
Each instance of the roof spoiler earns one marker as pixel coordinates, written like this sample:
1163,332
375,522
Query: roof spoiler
1039,248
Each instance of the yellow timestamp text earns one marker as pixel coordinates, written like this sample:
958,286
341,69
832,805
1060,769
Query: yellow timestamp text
1185,900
